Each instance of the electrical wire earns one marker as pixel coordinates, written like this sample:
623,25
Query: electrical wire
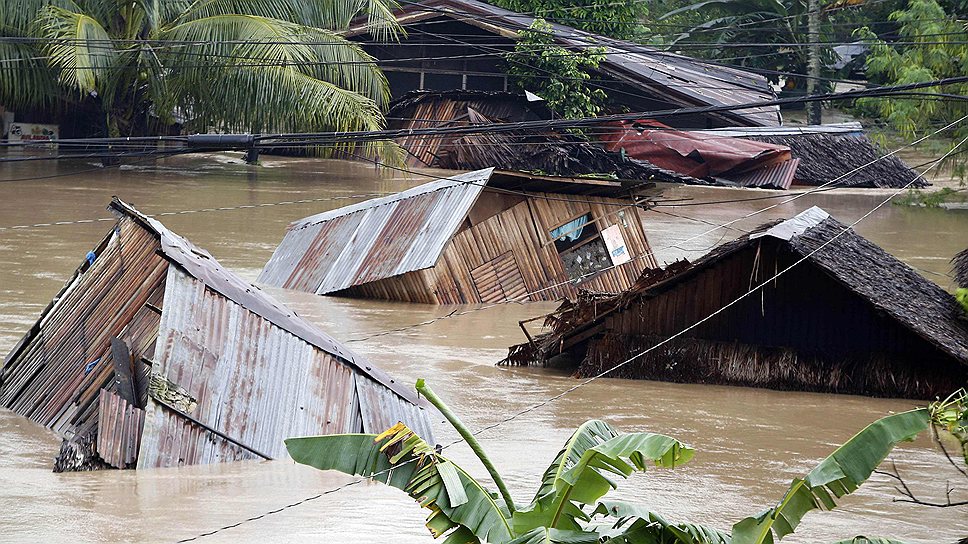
587,381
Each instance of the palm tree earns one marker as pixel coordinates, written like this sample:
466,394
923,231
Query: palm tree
239,65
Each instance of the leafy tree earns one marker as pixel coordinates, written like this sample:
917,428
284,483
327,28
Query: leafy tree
933,47
624,20
254,65
569,505
556,74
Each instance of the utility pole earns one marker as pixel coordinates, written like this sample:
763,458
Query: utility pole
813,60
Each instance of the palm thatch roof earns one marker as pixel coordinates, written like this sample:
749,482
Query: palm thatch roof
960,268
791,340
828,156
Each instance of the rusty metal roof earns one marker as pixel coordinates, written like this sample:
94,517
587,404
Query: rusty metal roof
200,264
678,78
392,235
375,239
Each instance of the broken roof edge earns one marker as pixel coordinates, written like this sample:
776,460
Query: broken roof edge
179,251
477,178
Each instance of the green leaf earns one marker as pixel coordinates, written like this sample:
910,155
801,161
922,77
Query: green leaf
638,525
580,472
544,535
839,474
869,540
458,503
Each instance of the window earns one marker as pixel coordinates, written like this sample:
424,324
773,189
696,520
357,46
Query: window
580,247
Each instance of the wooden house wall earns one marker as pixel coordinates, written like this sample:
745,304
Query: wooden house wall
519,232
48,380
804,330
522,231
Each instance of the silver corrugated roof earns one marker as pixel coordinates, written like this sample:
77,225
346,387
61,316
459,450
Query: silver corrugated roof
375,239
199,264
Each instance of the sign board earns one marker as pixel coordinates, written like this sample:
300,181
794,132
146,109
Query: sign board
30,132
615,243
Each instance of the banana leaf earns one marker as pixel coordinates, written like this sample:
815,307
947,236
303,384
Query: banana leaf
839,474
638,525
460,506
579,475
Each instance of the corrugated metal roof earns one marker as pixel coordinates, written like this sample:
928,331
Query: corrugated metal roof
681,79
375,239
202,266
777,176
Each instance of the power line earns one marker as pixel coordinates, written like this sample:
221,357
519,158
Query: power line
615,367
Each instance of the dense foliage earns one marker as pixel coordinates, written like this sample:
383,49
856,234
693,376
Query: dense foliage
554,73
931,46
569,505
607,17
252,65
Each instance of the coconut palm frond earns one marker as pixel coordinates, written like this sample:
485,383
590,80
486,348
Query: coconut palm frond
26,81
253,41
326,14
79,48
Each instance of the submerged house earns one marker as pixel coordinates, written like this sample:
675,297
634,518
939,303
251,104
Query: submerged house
553,153
461,44
766,157
153,355
483,236
846,318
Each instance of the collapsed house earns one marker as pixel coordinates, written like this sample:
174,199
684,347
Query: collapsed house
153,355
840,151
716,160
462,44
765,157
846,318
549,152
483,236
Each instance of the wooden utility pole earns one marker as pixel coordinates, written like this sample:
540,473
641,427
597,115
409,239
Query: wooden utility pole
813,60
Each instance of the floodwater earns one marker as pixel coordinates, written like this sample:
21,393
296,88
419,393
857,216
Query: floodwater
751,443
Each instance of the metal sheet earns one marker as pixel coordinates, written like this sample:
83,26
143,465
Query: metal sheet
393,235
381,411
251,379
777,176
119,430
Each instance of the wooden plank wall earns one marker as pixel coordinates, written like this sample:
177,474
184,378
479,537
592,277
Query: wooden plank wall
523,230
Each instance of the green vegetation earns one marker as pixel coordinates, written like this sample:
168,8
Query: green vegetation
536,57
570,506
930,199
622,20
245,65
962,296
933,46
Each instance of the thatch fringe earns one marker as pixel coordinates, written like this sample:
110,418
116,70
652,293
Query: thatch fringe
692,360
825,157
960,268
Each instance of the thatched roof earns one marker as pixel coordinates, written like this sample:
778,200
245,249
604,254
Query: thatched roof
825,157
890,286
960,268
552,154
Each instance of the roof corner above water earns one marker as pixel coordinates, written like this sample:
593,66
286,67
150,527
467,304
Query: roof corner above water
794,226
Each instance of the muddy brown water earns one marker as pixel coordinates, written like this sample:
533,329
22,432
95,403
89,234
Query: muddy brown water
751,443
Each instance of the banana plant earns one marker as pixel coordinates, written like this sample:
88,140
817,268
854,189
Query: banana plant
569,506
